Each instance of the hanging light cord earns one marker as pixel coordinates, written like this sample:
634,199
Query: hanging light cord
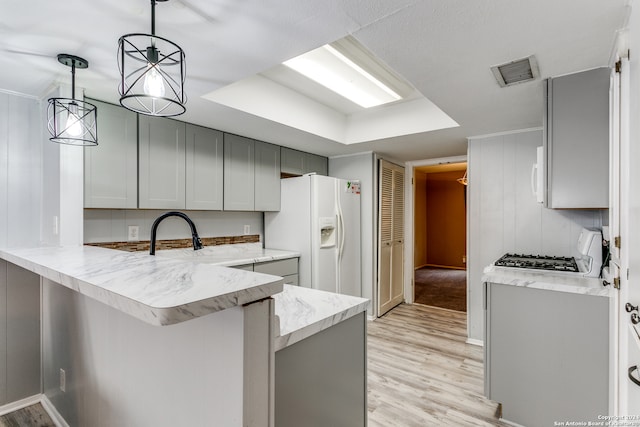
73,79
153,17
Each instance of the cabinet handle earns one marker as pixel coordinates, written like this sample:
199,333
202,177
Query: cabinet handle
605,283
629,307
635,319
632,377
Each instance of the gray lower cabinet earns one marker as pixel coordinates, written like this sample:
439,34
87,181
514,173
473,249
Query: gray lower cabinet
19,333
162,163
546,354
239,173
577,140
285,268
111,168
267,177
322,380
294,162
204,168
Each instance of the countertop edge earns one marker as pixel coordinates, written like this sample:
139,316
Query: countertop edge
574,285
154,315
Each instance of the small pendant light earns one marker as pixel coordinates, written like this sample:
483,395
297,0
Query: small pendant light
71,121
152,73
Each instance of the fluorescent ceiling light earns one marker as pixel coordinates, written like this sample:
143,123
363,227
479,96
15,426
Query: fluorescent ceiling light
333,70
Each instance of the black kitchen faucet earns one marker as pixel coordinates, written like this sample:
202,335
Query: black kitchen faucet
197,244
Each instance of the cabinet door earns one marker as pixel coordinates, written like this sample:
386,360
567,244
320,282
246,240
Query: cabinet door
239,173
111,168
577,143
204,169
314,163
267,179
292,161
162,163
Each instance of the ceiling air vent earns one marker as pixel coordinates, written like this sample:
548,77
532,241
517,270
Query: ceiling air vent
514,72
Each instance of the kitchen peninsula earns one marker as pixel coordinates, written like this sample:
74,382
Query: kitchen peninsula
143,340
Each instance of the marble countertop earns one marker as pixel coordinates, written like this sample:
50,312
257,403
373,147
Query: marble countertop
229,255
551,281
157,290
303,312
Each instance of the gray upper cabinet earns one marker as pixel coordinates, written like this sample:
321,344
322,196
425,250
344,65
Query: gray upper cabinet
267,177
162,163
239,173
296,162
204,168
292,161
577,140
111,168
317,164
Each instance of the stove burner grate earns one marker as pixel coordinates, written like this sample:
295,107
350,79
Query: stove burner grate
538,262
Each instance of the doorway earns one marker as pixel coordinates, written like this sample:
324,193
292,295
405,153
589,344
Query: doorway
440,278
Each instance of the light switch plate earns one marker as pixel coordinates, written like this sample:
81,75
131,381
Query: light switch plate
247,229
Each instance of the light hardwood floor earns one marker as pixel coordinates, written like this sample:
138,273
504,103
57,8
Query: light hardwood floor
422,373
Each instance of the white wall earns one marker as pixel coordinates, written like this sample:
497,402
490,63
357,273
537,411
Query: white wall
363,167
20,170
123,372
503,215
112,225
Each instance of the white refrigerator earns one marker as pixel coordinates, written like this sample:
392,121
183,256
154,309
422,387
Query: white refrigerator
320,218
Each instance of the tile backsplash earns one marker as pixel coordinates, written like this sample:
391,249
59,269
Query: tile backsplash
143,245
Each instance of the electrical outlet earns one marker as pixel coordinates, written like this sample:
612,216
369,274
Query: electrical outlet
63,380
247,229
134,233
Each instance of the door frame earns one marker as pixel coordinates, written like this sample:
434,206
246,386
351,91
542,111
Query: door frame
409,203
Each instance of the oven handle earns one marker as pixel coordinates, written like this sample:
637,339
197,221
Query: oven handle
635,380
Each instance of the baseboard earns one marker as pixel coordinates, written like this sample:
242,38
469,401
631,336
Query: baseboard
511,423
474,341
19,404
53,412
445,266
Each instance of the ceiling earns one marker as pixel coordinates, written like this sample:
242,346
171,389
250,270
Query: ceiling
444,48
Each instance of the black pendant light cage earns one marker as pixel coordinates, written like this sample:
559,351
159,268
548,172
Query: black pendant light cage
152,73
71,121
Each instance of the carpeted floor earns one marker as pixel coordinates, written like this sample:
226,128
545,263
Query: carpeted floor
441,287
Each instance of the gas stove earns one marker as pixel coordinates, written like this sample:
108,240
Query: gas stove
588,263
538,262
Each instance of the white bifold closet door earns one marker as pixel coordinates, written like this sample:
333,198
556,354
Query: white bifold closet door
390,236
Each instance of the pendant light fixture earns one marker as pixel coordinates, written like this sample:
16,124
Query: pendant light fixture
152,73
71,121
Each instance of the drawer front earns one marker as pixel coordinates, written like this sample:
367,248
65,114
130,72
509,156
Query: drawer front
248,267
291,279
282,268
